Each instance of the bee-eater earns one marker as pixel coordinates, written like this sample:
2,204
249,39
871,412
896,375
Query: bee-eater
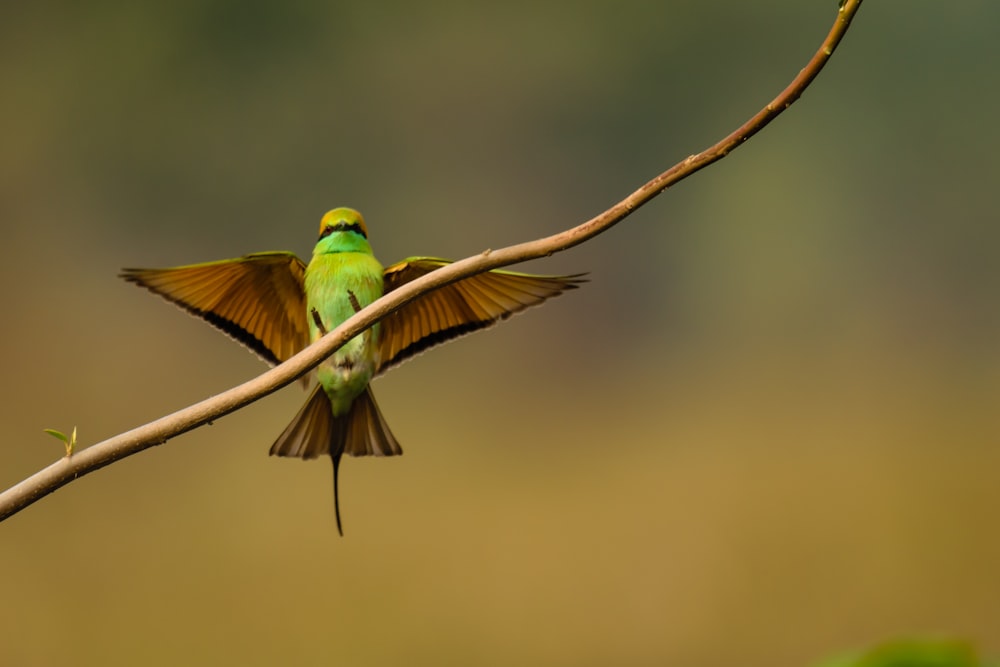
275,305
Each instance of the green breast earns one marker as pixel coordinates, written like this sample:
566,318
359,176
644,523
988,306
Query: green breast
336,285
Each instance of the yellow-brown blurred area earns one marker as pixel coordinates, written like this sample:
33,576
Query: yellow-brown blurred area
764,433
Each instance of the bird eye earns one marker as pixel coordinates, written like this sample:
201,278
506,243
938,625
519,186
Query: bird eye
343,227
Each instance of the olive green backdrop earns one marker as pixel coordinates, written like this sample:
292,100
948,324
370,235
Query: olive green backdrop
766,431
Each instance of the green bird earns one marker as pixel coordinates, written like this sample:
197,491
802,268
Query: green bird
276,305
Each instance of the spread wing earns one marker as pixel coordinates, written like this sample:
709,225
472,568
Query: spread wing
259,300
458,308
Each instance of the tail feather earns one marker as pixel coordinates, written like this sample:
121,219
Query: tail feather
309,434
368,433
314,431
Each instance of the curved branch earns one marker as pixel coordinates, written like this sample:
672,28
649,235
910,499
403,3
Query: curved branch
157,432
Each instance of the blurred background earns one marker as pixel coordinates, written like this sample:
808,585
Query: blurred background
764,433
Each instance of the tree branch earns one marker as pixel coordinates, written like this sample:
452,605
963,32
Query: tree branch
157,432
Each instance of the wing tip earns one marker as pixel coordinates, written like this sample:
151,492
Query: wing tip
131,275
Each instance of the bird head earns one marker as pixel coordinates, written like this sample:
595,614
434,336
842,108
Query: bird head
342,220
342,229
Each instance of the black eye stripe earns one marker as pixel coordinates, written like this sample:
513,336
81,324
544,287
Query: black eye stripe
343,227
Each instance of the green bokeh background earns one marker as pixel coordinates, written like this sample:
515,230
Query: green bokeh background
766,432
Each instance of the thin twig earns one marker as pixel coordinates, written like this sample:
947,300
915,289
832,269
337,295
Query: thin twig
157,432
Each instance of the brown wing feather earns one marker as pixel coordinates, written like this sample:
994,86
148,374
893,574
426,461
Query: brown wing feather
258,300
459,308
